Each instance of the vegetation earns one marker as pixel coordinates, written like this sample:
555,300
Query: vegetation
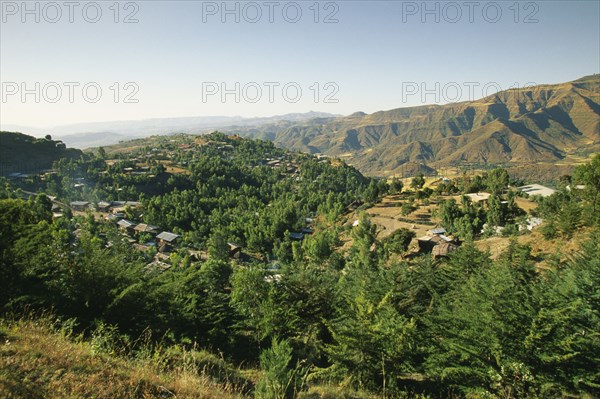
41,153
291,315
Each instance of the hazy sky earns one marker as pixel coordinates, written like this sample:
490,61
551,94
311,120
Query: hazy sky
81,61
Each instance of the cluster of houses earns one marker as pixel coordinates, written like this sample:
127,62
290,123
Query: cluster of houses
164,241
289,166
115,207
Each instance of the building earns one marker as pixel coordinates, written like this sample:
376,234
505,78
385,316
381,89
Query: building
437,231
126,224
157,266
115,216
167,238
146,228
103,206
443,249
537,189
531,223
428,242
436,244
479,197
80,206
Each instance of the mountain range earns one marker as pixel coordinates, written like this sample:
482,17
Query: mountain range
545,123
95,134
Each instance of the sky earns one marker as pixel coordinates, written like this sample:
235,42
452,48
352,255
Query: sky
83,61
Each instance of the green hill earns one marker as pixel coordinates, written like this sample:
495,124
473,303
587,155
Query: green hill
26,154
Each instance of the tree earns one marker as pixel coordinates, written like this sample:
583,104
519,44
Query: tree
250,299
398,241
589,176
497,180
363,235
396,186
218,248
495,213
279,380
370,343
417,182
564,334
569,218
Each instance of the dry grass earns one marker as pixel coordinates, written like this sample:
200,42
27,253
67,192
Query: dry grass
541,247
38,363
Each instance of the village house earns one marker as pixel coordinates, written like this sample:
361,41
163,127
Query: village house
479,197
168,237
103,206
80,206
536,189
115,216
166,240
146,228
443,249
126,225
436,243
156,266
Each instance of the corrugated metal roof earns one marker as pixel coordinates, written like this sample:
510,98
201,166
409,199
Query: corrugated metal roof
167,236
439,230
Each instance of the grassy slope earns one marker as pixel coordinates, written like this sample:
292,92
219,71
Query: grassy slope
36,362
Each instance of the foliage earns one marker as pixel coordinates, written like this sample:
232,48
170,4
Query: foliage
279,380
309,311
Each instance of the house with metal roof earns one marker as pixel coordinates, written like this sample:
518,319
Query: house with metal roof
126,224
146,228
168,237
79,205
537,189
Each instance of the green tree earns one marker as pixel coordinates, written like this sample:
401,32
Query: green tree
370,343
396,186
497,180
398,241
218,248
496,212
280,380
417,182
568,219
589,176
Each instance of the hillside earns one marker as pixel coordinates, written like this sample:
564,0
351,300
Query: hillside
25,154
209,266
38,362
546,123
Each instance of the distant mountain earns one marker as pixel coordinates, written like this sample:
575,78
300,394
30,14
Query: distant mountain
20,153
84,135
544,123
